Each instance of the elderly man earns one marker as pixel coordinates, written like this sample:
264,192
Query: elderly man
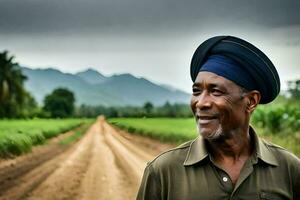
228,160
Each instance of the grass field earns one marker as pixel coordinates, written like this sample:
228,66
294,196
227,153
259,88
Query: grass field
179,130
18,136
77,134
165,129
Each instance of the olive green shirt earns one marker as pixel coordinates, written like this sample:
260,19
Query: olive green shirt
188,172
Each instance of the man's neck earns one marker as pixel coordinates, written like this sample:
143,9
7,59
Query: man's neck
235,146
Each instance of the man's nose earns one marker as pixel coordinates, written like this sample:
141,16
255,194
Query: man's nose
203,101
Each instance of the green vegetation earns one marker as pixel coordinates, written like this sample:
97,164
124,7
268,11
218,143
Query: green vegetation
15,101
77,134
147,110
280,124
294,89
18,136
165,129
60,103
277,119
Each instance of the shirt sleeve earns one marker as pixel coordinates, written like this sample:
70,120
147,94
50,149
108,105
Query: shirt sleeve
150,187
296,182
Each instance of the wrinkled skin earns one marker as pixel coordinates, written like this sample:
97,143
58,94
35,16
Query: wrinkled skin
219,106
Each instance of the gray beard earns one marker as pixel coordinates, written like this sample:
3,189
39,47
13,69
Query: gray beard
214,135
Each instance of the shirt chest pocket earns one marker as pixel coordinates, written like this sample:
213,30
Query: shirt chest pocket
271,196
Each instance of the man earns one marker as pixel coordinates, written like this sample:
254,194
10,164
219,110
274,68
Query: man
227,161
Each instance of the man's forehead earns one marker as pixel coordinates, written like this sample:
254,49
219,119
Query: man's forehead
204,77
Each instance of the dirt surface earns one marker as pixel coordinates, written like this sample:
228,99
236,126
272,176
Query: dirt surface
106,163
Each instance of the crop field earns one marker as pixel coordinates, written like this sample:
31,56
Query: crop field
18,136
178,130
165,129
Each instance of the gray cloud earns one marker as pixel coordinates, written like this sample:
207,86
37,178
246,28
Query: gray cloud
136,16
154,39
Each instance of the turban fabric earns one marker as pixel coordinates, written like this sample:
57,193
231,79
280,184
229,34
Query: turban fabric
254,64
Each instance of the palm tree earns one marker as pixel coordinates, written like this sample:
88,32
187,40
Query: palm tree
12,92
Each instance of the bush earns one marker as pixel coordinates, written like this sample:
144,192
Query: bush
277,119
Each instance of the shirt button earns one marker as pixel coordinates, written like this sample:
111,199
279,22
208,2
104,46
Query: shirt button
225,179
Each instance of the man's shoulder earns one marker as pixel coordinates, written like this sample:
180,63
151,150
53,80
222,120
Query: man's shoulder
172,157
282,154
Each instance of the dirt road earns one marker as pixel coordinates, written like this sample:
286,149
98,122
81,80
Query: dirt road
105,164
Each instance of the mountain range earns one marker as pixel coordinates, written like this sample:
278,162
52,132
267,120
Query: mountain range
92,88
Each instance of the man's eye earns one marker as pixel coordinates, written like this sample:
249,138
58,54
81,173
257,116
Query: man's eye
196,91
216,92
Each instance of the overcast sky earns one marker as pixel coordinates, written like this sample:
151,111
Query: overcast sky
152,39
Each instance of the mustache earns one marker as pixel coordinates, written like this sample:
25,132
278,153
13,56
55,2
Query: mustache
206,114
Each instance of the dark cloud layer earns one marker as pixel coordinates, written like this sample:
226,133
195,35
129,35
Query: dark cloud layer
154,39
111,16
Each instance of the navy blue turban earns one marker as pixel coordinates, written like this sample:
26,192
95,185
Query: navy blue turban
240,62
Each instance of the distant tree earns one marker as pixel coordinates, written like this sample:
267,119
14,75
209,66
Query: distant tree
182,110
60,103
148,106
12,92
169,110
112,112
294,89
30,107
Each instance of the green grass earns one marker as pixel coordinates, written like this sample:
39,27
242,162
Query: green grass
18,136
180,130
165,129
77,134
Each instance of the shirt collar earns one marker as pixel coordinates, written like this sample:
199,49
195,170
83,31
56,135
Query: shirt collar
198,152
262,150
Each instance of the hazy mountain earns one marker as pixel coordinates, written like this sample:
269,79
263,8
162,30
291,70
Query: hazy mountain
168,87
91,76
92,88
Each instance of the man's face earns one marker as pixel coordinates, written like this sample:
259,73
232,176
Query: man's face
218,105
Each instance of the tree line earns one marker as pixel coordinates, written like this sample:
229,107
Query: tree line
147,110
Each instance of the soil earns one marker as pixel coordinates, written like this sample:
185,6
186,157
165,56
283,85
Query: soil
106,163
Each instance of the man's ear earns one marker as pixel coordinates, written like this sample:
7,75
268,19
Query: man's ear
253,98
